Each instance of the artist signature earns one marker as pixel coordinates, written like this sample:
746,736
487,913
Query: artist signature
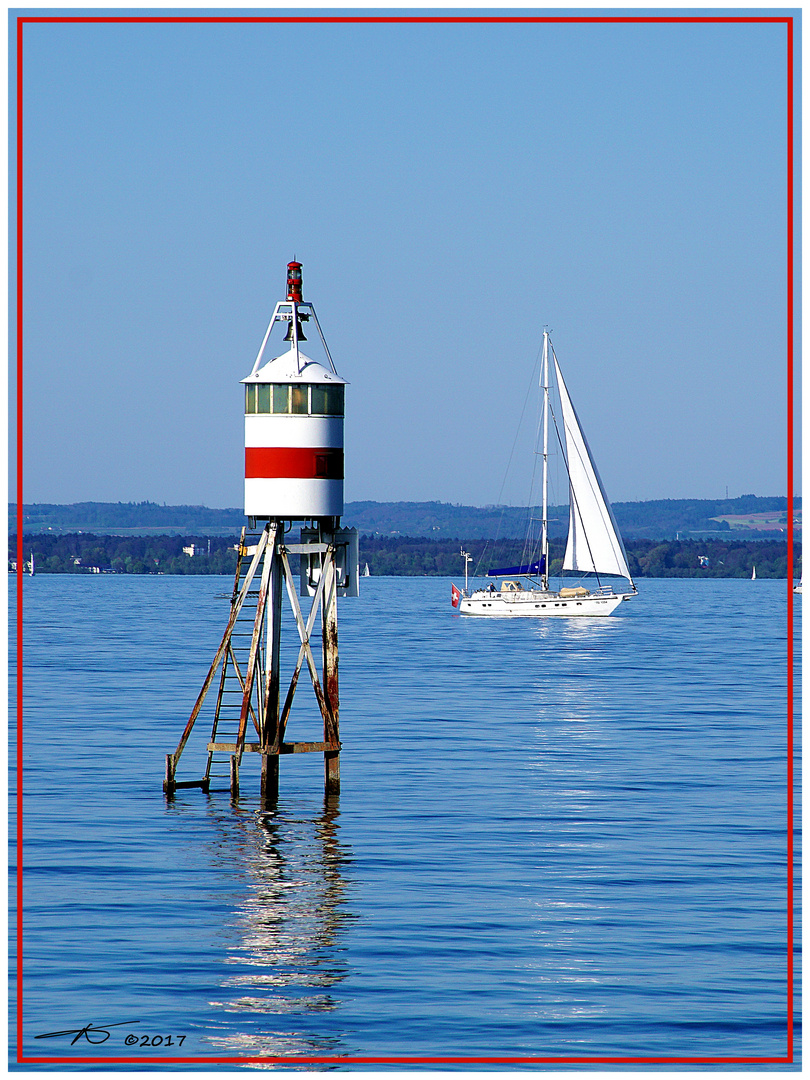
91,1032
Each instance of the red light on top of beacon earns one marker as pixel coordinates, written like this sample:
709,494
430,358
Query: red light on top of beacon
294,282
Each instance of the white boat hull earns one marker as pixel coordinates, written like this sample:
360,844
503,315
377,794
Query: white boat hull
534,604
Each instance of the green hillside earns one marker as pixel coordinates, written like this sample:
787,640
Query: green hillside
663,519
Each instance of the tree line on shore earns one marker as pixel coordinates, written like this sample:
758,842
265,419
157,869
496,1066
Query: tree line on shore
393,556
408,556
661,519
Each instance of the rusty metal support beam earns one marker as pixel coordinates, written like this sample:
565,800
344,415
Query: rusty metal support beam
257,748
305,629
169,783
331,734
304,632
307,747
270,533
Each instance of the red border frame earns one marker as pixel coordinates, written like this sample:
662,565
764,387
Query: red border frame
523,1060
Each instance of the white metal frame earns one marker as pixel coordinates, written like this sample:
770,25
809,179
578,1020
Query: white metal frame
286,311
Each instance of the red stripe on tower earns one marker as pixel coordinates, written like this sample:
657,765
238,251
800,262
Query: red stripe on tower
293,463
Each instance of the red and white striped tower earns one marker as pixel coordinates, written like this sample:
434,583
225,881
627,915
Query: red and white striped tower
293,424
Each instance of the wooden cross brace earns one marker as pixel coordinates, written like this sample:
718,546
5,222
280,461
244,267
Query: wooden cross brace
269,721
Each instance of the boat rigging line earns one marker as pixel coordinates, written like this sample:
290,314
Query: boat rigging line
494,542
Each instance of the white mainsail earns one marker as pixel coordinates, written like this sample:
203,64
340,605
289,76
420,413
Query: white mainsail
594,544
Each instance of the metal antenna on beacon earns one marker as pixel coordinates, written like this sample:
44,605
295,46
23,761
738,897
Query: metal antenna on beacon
294,410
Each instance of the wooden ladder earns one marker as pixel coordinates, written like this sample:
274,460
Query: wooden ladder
221,765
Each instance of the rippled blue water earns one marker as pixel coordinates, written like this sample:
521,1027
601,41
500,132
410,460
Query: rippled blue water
560,839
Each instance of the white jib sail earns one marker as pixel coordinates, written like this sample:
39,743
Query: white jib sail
594,543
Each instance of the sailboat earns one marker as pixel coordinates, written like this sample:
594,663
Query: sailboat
366,571
594,544
754,574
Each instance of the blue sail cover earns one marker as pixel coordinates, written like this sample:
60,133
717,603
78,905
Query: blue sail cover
537,567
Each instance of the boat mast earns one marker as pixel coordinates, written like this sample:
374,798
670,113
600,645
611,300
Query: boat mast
544,384
467,557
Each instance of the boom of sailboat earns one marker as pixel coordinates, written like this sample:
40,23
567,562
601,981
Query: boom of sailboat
594,546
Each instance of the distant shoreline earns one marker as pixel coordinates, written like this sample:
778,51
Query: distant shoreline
394,556
664,519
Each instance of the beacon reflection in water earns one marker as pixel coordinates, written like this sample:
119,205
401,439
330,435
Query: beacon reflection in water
287,955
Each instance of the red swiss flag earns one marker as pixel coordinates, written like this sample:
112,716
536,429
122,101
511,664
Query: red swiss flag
455,595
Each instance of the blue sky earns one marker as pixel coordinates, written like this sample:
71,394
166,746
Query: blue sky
450,189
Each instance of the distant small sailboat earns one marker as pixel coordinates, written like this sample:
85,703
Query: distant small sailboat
754,574
366,571
31,565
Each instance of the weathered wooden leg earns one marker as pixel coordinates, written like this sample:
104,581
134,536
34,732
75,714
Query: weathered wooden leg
331,772
269,790
331,733
234,776
168,783
270,762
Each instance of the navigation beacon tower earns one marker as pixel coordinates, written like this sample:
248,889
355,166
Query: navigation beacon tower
293,424
294,411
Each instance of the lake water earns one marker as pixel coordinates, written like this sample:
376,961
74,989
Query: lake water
562,839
